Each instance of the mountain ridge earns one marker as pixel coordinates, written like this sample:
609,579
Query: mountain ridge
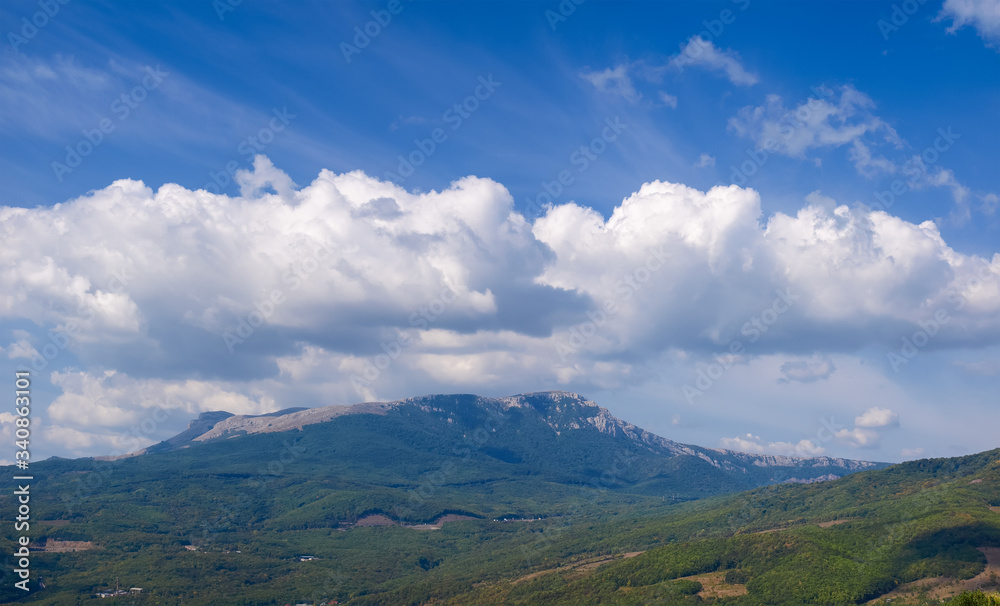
562,411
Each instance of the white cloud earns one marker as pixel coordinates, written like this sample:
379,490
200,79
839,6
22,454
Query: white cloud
829,122
705,160
668,100
877,417
990,204
984,15
27,82
20,349
868,165
703,53
816,123
112,399
615,81
752,444
858,438
940,177
152,281
910,453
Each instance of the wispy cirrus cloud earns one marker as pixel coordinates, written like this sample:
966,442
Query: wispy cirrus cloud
616,81
695,53
845,117
698,52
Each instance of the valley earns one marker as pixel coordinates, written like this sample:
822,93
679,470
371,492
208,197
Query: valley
536,498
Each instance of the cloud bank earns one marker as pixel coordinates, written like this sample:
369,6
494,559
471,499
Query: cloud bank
350,287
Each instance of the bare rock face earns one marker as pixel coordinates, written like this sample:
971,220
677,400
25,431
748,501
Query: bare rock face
237,425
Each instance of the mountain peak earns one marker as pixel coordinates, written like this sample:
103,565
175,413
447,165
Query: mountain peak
560,415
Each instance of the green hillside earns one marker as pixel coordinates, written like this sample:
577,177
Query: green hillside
912,521
227,521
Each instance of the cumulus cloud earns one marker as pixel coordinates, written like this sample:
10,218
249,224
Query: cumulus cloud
807,371
877,417
984,15
858,438
858,274
283,296
752,444
705,161
699,52
114,411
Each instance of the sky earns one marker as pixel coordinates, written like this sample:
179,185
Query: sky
758,225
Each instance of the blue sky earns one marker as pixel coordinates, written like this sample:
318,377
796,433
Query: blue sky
815,107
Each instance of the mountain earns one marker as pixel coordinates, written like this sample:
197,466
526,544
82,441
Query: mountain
399,502
558,421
